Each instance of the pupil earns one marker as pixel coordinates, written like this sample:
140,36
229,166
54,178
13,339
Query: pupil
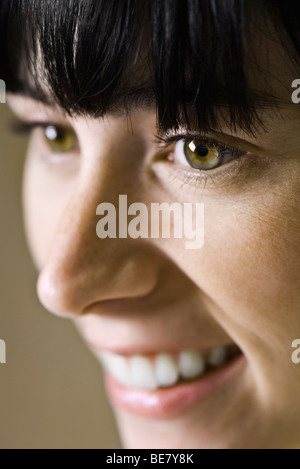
202,150
60,135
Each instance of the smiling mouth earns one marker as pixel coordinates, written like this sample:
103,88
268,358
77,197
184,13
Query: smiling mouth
165,370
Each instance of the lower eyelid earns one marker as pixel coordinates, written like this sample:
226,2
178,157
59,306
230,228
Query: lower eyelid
231,175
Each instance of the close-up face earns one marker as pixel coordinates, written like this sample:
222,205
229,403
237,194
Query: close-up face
195,343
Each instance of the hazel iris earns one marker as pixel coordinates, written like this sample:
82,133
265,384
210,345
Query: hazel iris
60,139
202,156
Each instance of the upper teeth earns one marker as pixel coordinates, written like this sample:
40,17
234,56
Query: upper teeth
164,370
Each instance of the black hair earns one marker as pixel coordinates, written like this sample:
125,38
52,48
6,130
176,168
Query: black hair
185,57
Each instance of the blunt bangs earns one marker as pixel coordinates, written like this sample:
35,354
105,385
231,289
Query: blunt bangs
185,58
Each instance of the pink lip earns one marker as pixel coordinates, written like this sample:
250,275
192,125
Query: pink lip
164,403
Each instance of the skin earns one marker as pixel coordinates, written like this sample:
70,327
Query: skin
151,295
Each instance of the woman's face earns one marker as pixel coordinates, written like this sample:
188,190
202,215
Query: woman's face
154,305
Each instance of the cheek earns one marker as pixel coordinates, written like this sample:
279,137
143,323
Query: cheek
46,192
250,264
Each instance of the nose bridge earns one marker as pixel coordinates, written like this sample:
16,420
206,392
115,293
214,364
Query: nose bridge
83,269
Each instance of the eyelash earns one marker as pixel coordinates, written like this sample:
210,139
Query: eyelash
25,128
165,140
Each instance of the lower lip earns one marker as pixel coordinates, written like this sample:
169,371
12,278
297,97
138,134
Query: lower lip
163,403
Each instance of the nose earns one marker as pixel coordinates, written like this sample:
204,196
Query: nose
81,269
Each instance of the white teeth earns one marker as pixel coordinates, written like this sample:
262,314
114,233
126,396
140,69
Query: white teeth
191,364
217,356
162,370
118,367
166,370
142,373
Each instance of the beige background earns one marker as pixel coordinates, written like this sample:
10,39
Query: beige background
51,389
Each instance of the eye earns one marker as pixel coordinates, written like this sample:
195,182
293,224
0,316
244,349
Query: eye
60,139
203,155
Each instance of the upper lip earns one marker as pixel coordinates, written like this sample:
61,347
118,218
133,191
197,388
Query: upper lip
143,349
128,333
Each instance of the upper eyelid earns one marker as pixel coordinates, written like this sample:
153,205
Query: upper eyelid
239,142
165,143
215,137
48,123
21,126
166,140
